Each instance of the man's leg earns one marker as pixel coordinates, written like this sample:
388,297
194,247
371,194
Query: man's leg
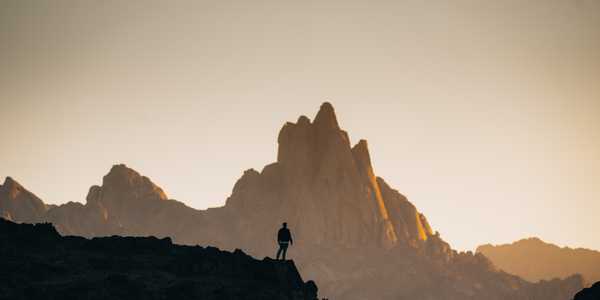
284,247
279,252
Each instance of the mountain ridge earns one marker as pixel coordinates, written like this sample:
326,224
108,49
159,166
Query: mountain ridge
537,240
353,233
534,259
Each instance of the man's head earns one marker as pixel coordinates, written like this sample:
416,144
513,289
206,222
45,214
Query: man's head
284,225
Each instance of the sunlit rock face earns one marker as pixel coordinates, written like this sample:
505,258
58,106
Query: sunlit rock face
325,189
353,233
410,225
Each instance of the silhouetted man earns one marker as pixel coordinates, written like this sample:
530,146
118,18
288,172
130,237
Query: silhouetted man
284,238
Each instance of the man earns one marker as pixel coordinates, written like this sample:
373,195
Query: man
284,238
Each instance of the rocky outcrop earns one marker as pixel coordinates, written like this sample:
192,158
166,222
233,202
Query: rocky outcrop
37,263
17,203
534,259
591,293
324,187
127,203
353,233
329,193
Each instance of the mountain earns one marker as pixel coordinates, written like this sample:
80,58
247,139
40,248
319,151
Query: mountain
534,259
37,263
19,204
353,233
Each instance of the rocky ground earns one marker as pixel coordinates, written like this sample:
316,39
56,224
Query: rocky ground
37,263
591,293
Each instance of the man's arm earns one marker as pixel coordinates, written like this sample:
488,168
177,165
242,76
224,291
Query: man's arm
291,240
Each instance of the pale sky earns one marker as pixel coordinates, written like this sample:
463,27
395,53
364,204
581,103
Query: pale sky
484,113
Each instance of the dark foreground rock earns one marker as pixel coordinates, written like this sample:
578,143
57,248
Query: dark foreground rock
591,293
37,263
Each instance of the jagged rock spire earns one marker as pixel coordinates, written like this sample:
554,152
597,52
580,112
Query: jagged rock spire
326,117
319,180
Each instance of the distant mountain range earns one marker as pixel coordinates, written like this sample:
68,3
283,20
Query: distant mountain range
356,236
534,260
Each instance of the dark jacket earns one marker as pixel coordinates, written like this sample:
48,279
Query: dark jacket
284,235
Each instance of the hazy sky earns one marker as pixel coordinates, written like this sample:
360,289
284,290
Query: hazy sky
486,114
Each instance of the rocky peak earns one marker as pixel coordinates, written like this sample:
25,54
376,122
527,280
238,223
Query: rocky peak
362,159
305,145
361,155
531,241
326,117
17,203
303,121
11,187
125,203
129,182
9,181
322,183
